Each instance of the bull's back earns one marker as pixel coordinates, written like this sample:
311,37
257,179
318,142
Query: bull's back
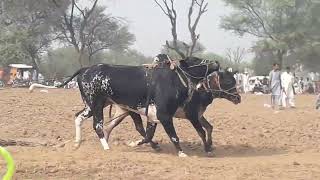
125,84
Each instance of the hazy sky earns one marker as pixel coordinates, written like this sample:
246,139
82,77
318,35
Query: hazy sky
152,28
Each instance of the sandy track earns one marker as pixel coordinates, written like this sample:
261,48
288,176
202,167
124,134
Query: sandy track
252,142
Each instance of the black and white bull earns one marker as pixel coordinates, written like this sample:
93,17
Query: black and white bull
164,90
217,85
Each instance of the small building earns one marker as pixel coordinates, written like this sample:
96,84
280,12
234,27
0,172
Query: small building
16,71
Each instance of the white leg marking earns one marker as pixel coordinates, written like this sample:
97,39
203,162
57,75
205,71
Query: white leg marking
182,154
104,144
78,122
134,143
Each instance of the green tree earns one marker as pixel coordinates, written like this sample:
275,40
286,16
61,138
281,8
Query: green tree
10,47
276,22
198,49
32,21
90,30
126,57
59,63
62,62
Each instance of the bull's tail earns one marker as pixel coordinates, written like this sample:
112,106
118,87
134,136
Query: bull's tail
35,85
73,76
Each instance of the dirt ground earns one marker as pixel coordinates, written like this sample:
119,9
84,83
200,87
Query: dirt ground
251,141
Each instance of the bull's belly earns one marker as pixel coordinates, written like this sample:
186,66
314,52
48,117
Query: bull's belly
152,113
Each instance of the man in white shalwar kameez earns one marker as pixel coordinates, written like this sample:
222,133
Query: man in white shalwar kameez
245,82
287,96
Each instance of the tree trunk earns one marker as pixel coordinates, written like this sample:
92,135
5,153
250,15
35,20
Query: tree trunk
83,58
35,66
280,57
80,58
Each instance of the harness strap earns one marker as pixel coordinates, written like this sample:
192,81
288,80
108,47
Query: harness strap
181,79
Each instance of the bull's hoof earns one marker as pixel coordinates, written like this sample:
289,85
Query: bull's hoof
156,147
134,143
182,154
210,154
104,144
106,148
76,145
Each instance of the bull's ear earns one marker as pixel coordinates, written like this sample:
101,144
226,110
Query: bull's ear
162,57
218,65
183,63
156,59
215,65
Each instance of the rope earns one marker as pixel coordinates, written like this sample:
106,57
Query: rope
224,91
110,120
194,77
181,79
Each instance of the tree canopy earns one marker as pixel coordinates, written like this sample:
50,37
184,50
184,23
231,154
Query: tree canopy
30,27
283,27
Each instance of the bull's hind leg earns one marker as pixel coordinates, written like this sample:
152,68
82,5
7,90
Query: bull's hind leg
80,117
98,123
119,116
197,125
139,127
209,128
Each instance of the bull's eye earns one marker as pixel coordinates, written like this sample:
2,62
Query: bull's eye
156,59
198,86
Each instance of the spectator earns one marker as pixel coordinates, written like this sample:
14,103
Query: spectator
301,83
318,102
275,85
287,81
245,82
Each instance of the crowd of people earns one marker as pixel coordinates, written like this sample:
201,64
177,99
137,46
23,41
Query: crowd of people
283,85
247,84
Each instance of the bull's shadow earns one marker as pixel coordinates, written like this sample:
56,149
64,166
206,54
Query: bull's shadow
220,151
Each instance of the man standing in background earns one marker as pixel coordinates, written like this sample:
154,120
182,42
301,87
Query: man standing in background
238,80
318,102
245,81
275,85
287,81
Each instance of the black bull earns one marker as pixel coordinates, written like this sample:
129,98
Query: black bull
135,88
216,85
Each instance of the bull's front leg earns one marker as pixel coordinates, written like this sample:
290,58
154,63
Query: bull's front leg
166,121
